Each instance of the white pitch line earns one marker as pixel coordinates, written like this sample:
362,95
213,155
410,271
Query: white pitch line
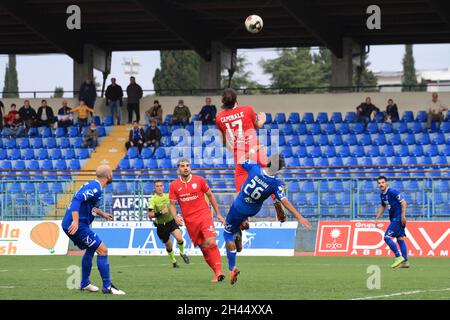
7,287
401,294
3,270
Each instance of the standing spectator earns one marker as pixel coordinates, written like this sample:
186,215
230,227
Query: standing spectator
208,113
64,116
365,111
16,129
28,115
82,111
2,114
114,95
152,136
154,112
136,137
391,112
88,93
134,93
45,116
11,114
91,136
181,114
435,111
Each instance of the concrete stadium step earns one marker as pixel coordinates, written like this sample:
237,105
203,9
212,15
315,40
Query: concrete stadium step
109,151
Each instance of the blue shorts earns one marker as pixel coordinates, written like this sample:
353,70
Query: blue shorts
396,229
85,238
233,223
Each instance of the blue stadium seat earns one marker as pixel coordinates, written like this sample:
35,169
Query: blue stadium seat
343,151
268,117
36,143
291,141
393,139
350,162
395,161
380,161
315,152
408,139
322,162
373,151
431,150
349,139
101,132
401,151
417,151
350,117
30,187
386,128
19,165
108,121
343,128
308,118
378,139
411,160
292,162
166,163
77,142
337,162
61,164
160,153
336,117
329,128
33,165
293,186
300,128
42,187
387,151
445,127
308,162
438,138
314,128
124,164
286,151
69,154
312,199
415,127
336,140
445,150
42,154
364,139
63,143
301,152
33,132
10,144
330,151
120,187
60,132
73,132
280,118
400,127
357,128
55,154
45,132
379,117
146,153
365,161
421,116
74,164
321,140
408,116
132,153
28,154
3,154
294,118
138,163
440,160
83,154
423,138
23,143
299,198
322,117
372,127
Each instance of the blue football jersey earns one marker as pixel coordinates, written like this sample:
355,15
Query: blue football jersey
392,199
256,189
87,197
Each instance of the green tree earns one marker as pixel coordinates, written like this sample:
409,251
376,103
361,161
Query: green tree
11,86
364,76
409,70
322,61
59,92
295,68
180,71
241,78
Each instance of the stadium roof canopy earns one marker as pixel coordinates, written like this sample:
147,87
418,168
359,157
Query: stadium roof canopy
39,26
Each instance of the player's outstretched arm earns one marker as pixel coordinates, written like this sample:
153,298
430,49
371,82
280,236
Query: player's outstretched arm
303,221
173,210
213,201
379,213
103,214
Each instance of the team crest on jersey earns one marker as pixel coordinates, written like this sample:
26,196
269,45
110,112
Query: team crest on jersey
194,185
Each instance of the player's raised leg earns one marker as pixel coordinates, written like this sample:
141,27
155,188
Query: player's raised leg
103,268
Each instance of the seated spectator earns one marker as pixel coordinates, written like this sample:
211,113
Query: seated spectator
152,136
11,115
435,111
136,137
91,136
391,112
16,129
45,116
181,114
208,113
365,111
154,112
64,116
2,115
83,113
28,115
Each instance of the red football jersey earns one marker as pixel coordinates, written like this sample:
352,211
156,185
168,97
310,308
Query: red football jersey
238,127
191,197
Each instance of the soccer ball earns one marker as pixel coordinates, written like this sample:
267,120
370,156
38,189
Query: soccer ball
254,23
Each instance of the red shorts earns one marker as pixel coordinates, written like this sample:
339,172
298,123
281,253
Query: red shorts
201,229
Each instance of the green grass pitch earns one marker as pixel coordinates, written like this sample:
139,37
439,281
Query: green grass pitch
43,277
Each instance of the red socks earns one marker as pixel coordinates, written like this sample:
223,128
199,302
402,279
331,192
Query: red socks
212,258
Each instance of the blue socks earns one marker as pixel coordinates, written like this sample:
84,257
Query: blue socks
403,248
231,256
86,267
392,245
103,268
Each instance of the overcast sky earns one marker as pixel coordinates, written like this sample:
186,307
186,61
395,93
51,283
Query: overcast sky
45,72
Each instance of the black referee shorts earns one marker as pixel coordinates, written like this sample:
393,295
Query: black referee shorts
164,230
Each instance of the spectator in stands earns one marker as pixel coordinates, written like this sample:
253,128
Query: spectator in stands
28,115
64,116
208,113
136,137
2,114
154,112
152,136
16,129
134,93
82,109
91,136
435,111
114,95
181,114
11,115
45,116
88,93
391,113
365,111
